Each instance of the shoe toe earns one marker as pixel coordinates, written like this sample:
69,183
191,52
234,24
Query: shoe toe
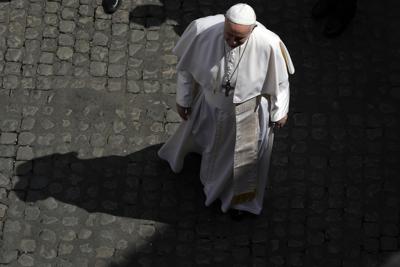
236,215
110,6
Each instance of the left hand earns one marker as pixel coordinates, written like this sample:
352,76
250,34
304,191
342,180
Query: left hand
279,124
183,112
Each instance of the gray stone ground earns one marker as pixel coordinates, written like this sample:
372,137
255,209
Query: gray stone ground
86,99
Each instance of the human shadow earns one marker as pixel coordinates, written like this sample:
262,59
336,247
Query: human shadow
136,187
125,186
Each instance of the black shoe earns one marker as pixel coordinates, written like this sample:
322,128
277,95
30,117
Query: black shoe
322,8
338,21
239,215
110,6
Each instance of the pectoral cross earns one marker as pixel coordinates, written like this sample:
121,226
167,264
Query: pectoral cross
227,87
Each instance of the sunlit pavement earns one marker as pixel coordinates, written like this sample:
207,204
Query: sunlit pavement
86,99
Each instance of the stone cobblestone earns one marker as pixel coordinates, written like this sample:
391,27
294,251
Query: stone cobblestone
86,98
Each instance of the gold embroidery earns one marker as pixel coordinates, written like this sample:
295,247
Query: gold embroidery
244,197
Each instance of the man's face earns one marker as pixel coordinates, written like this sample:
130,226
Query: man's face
236,34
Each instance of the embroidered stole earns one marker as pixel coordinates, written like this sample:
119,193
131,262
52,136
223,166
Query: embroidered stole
245,169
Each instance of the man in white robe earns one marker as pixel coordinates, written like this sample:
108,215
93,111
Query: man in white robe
232,89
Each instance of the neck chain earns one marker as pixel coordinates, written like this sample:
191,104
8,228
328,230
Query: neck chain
227,86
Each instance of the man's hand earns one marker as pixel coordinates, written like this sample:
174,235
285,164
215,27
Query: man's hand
281,122
184,112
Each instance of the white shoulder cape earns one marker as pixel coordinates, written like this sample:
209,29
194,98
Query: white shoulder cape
264,65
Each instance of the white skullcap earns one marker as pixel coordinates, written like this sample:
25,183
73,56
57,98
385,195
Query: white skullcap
241,14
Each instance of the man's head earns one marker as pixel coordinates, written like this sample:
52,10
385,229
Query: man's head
240,21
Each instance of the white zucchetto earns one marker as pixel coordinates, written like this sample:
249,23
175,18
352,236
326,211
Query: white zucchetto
242,14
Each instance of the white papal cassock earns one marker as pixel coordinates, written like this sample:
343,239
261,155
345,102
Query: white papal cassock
218,127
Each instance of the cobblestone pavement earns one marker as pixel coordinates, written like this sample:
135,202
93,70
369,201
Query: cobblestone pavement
86,99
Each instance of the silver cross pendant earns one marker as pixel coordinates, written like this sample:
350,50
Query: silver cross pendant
227,87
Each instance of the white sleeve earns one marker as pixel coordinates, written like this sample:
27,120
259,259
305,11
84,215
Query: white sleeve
280,101
277,84
184,89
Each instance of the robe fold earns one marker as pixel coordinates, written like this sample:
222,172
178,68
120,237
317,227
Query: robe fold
232,133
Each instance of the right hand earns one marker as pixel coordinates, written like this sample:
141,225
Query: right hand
184,112
279,124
